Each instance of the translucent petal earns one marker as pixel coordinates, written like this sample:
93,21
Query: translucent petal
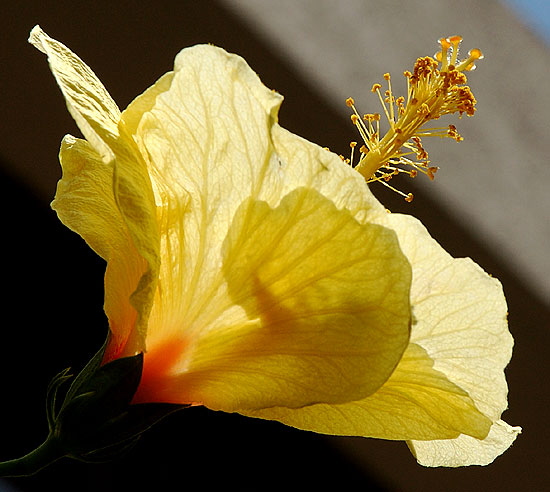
88,101
204,133
460,314
307,164
466,450
85,203
416,401
318,311
457,386
98,118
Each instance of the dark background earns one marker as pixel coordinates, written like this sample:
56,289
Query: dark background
53,290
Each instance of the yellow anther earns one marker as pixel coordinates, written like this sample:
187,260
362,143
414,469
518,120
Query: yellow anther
453,133
455,40
431,172
372,117
469,64
445,43
475,54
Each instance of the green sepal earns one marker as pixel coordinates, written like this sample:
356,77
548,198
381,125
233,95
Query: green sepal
91,367
51,396
98,419
102,396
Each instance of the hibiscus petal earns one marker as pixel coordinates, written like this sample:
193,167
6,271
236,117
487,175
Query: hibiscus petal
88,101
98,118
204,133
460,327
416,401
307,164
461,323
461,316
85,203
466,450
323,316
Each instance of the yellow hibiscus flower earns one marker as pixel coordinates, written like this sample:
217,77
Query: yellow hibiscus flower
257,273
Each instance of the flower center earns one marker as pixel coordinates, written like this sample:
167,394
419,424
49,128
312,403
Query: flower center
435,87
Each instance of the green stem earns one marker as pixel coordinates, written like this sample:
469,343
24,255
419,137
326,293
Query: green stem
45,454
